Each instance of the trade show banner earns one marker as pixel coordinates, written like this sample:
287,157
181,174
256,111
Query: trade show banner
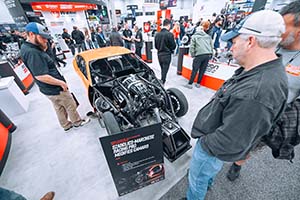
135,158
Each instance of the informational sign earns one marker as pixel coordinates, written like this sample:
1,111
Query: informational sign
147,27
21,70
135,158
16,11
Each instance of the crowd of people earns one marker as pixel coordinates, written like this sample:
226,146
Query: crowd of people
96,38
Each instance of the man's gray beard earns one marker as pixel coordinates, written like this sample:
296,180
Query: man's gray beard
290,39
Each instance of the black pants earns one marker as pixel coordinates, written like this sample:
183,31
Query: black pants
199,64
164,62
72,48
81,47
138,51
58,60
128,45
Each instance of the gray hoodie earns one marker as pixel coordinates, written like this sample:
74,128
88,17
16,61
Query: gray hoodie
201,44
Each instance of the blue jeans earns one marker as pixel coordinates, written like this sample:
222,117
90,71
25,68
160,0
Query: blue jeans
218,32
10,195
203,169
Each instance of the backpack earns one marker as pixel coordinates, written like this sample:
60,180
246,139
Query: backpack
285,133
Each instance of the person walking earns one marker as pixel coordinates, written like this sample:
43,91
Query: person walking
93,38
244,109
176,33
78,36
165,45
51,83
289,48
138,41
201,49
115,38
68,40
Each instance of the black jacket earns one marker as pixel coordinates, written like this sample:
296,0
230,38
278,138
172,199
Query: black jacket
100,39
164,42
139,35
78,36
115,39
242,111
67,38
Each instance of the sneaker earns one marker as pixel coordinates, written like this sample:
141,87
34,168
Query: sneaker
48,196
83,122
197,85
233,172
68,129
190,86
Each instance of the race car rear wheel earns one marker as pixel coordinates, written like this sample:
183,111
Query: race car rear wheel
179,102
111,123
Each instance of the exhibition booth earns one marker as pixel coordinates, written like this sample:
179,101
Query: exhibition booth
136,129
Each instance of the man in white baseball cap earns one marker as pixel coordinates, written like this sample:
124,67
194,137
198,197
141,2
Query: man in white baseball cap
246,106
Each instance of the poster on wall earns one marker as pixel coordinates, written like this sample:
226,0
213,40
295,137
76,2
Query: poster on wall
16,11
135,158
164,4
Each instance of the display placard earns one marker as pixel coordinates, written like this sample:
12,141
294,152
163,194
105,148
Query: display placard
135,158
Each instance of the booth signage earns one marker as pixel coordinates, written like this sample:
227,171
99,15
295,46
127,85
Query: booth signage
135,158
59,6
147,27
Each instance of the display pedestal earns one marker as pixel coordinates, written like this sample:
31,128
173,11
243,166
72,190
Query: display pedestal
148,48
215,74
22,76
183,50
13,102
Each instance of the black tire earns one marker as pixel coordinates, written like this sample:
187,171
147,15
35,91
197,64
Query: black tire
179,102
111,123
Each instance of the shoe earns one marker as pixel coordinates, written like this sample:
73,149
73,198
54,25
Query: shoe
197,85
68,129
190,86
48,196
83,122
233,172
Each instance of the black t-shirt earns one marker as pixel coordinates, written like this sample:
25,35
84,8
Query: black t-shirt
39,63
127,34
139,36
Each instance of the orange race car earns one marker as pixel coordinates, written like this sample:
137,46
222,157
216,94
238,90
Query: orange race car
126,94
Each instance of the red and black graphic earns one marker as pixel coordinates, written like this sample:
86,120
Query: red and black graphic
135,158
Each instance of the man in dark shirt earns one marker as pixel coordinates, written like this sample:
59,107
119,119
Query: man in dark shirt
244,109
127,37
70,43
138,39
115,38
50,81
78,36
165,45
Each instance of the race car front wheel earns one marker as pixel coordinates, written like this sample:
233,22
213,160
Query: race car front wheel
179,102
111,123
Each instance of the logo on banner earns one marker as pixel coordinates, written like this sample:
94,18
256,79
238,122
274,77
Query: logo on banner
55,14
146,27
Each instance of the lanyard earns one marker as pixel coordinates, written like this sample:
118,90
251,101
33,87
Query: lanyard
292,59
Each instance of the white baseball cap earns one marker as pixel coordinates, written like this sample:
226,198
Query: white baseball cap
261,23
